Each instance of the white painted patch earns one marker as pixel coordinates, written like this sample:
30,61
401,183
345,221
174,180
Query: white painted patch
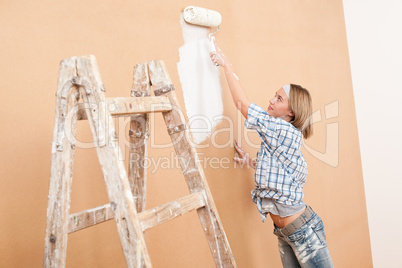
200,83
54,147
129,195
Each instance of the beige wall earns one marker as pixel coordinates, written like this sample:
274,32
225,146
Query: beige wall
270,43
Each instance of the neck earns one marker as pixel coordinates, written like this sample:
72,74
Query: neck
287,118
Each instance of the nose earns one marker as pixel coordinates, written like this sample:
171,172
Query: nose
272,101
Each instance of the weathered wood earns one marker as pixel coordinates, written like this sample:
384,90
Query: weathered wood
139,130
90,217
148,219
118,187
61,170
192,170
129,106
139,133
161,214
82,73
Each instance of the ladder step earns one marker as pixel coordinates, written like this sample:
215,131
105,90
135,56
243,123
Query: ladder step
129,106
163,213
89,217
148,219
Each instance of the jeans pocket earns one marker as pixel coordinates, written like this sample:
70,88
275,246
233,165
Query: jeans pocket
296,236
319,230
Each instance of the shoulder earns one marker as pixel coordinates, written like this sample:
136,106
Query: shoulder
289,134
255,110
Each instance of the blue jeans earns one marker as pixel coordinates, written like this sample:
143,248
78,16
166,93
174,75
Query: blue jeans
306,247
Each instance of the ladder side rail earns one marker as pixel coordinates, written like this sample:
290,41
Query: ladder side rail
118,187
61,167
191,168
139,133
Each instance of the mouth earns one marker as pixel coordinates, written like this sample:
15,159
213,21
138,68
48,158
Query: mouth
269,108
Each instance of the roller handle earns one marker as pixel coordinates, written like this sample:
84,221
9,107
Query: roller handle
211,44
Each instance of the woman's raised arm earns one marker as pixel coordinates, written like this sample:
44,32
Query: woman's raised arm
238,94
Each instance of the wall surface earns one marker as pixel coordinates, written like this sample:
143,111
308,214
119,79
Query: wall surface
376,64
270,43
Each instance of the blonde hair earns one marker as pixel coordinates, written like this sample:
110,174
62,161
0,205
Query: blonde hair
301,105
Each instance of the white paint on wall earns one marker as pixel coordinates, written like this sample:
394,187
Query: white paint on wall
200,83
375,49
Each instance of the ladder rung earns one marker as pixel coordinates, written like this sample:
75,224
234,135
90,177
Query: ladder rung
130,105
89,217
148,219
163,213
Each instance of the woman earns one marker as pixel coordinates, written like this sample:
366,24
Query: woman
281,170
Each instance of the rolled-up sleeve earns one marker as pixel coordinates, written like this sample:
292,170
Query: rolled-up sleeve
265,125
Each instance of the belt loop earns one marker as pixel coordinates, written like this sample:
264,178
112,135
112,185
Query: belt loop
280,231
306,212
311,211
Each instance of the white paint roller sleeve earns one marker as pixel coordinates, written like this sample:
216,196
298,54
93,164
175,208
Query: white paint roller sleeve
202,16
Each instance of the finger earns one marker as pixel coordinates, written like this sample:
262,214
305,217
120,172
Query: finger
236,143
236,147
239,150
219,58
239,160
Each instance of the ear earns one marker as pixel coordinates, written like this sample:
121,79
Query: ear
291,114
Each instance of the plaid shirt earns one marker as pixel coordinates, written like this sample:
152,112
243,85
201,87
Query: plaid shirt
281,170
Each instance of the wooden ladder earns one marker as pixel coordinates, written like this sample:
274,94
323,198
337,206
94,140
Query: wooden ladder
80,76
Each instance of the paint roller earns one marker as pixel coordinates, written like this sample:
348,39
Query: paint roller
203,17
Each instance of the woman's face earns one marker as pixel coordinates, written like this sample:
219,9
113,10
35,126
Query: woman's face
279,106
